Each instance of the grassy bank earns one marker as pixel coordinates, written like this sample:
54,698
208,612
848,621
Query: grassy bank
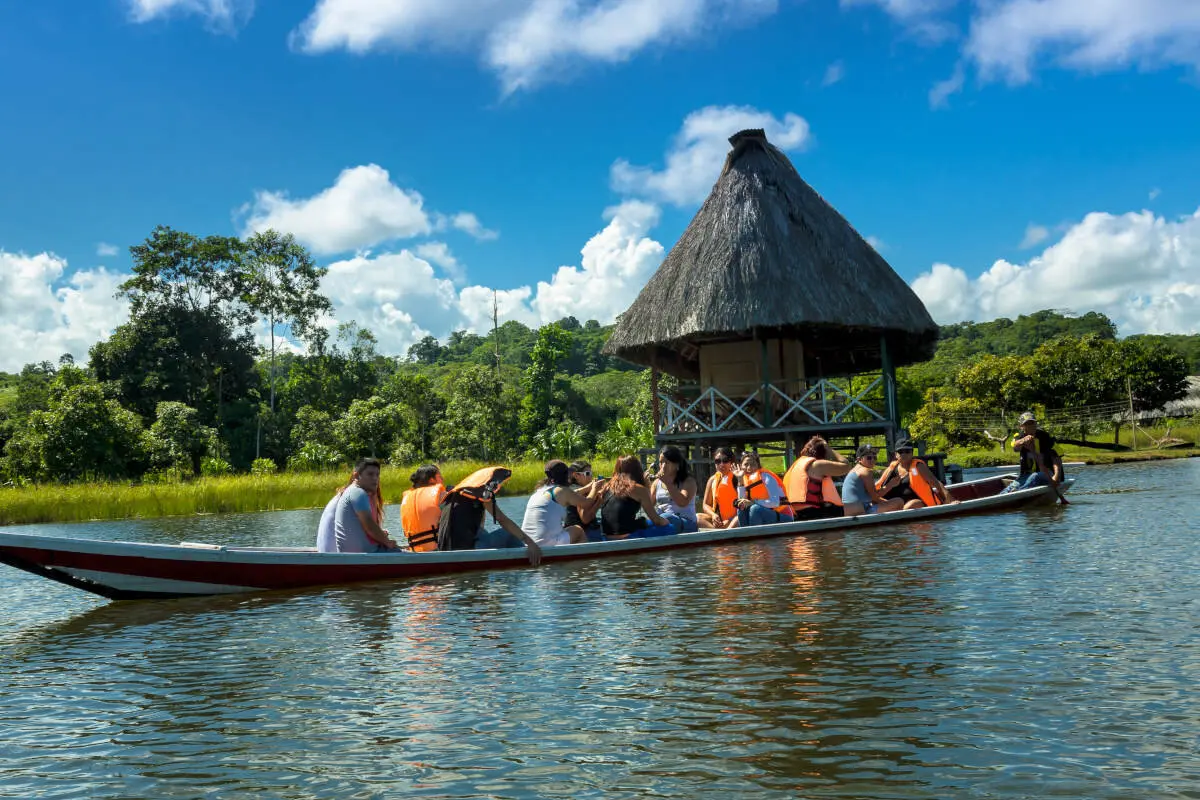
91,501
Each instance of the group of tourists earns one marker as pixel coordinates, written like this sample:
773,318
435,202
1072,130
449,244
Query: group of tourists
573,506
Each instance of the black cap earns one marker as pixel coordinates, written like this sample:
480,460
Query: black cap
904,444
865,450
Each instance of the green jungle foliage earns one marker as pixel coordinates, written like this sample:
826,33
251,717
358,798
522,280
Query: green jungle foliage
181,391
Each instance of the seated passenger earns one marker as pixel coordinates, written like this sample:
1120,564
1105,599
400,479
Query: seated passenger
1041,464
420,508
674,491
911,481
720,493
546,512
628,494
761,499
580,476
325,539
465,508
809,482
859,495
359,513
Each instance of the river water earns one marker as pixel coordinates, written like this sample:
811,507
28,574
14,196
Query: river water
1051,652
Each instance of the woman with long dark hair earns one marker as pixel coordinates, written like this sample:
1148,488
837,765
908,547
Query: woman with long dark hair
627,495
674,491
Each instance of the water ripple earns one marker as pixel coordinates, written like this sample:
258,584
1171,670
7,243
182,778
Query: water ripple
1048,653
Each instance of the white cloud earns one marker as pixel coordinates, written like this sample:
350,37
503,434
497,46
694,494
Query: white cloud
942,91
49,321
400,298
1141,270
106,250
1154,193
694,161
615,264
834,73
363,208
1034,235
468,223
220,14
879,244
397,296
1007,37
439,253
524,41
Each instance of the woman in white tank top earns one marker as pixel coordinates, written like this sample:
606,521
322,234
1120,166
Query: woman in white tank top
546,512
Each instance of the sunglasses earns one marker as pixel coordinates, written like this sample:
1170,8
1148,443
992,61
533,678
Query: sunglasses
871,457
722,460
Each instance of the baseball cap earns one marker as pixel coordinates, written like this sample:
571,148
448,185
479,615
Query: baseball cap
905,444
1026,417
865,450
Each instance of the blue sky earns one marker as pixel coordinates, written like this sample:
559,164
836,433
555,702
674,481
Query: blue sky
1004,156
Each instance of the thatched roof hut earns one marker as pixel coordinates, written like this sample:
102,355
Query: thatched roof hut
767,258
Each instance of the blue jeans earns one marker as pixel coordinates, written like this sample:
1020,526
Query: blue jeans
681,524
497,538
1030,481
758,515
651,531
594,533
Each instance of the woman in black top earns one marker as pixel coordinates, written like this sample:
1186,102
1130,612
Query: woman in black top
628,494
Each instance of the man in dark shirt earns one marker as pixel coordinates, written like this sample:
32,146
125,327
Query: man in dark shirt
1040,462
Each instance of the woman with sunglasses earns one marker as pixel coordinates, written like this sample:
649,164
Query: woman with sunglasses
584,517
859,495
720,493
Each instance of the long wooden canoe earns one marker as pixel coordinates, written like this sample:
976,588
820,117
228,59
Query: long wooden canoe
134,570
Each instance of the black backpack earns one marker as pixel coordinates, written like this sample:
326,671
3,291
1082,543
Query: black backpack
462,511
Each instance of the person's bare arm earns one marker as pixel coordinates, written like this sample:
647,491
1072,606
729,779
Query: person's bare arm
709,504
376,533
535,552
684,495
643,496
823,468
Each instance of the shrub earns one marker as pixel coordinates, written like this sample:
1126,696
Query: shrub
212,467
263,466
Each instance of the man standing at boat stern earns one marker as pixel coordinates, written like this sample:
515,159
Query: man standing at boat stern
355,528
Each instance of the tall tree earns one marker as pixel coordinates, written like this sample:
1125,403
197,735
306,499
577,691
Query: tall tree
544,388
281,283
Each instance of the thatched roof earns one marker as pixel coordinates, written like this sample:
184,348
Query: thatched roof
765,257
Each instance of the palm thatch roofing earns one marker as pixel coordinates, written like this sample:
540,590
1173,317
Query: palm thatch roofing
767,257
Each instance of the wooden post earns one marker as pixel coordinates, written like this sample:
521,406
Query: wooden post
891,402
654,392
765,374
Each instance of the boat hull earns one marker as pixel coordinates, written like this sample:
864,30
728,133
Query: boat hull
131,570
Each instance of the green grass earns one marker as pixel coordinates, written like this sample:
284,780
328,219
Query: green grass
81,502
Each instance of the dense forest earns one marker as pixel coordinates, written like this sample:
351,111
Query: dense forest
182,388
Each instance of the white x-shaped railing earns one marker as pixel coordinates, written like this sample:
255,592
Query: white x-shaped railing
703,412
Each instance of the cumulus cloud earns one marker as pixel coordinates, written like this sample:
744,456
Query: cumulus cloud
50,321
1141,270
698,151
438,253
106,250
524,41
363,208
401,299
221,14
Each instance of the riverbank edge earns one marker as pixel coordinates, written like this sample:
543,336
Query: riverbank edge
49,503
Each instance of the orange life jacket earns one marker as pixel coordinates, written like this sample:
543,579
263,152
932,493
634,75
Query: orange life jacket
815,492
756,489
921,488
725,496
419,515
